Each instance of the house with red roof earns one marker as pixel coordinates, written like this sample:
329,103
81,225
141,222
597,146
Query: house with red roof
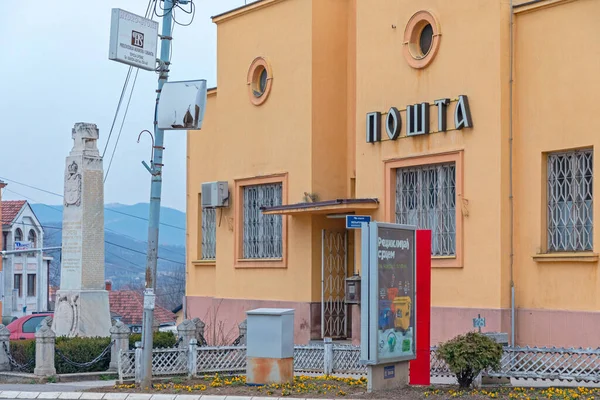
24,283
128,305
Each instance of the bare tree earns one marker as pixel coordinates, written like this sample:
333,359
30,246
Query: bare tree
171,288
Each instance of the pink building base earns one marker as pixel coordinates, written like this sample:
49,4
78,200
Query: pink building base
534,327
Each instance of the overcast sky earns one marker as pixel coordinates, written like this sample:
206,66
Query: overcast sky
56,72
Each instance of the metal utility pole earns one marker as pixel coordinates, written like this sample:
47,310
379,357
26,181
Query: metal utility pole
155,194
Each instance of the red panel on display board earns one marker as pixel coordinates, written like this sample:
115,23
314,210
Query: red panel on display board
420,368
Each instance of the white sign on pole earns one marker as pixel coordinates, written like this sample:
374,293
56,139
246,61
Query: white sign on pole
182,105
133,40
20,245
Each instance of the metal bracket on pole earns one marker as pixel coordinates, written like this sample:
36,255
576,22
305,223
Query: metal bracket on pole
151,170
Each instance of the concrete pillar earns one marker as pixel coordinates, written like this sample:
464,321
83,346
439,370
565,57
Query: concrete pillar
44,350
186,331
193,358
243,327
4,348
200,331
119,336
328,357
138,362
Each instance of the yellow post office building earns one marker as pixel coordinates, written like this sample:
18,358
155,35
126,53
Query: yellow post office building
477,119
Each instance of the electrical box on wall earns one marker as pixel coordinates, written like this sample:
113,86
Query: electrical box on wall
353,290
215,194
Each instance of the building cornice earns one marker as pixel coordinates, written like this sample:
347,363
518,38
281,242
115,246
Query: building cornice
243,10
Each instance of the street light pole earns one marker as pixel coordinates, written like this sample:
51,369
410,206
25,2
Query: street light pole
155,195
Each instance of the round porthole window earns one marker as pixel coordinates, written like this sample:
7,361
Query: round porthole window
259,81
426,39
421,39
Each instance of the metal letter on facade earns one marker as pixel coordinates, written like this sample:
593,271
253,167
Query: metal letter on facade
393,123
373,127
417,119
442,106
462,114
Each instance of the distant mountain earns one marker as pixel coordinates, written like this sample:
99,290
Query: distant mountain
128,221
126,230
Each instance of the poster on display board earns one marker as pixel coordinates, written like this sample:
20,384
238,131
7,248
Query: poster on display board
388,252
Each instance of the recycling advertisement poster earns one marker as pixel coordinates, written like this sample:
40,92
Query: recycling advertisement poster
395,249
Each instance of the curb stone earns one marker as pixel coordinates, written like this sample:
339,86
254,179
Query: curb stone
124,396
70,396
48,395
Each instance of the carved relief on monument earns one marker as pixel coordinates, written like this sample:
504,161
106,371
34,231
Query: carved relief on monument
67,314
72,186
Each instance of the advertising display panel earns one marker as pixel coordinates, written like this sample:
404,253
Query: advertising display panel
389,255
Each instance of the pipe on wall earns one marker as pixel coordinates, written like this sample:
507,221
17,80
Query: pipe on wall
511,197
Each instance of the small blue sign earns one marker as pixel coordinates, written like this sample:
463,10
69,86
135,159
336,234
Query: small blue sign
389,372
355,221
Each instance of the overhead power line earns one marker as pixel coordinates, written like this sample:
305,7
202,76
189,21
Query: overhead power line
149,14
122,123
61,196
117,110
141,252
105,241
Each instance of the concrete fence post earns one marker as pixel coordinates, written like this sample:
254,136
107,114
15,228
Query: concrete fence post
45,339
243,327
193,358
186,331
199,331
328,357
138,362
4,348
119,336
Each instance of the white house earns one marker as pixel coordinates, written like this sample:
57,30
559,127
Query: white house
24,283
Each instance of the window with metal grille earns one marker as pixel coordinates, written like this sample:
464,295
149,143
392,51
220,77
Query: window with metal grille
209,233
426,198
570,211
262,236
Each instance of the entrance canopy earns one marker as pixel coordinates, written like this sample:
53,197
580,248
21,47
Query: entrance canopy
323,207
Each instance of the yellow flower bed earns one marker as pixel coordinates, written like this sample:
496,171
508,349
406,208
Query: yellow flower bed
522,393
302,384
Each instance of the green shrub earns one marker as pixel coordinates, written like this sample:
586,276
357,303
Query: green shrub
81,350
23,351
467,355
160,340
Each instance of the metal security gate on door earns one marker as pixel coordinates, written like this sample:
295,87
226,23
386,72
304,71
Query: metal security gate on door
334,263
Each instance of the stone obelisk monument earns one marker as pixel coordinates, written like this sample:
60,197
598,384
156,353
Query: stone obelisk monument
82,302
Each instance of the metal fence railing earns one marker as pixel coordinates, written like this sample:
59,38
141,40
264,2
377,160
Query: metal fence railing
563,364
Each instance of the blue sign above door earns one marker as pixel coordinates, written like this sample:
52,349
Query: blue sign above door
355,221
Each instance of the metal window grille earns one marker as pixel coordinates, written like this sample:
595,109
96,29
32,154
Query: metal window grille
426,197
209,233
570,219
262,233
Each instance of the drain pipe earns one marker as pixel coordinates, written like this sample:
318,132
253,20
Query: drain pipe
510,196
